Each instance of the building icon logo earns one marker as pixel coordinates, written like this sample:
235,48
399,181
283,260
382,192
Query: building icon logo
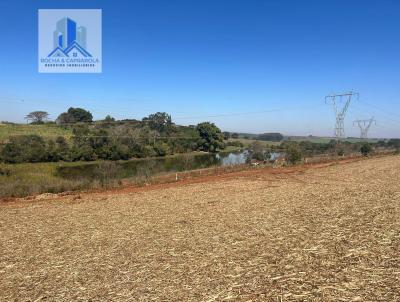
70,40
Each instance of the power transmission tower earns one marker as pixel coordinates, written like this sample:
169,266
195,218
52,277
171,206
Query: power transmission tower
364,126
340,104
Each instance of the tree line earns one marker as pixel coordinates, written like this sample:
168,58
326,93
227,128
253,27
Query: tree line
108,139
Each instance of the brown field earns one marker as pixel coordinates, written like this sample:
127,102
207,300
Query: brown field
317,233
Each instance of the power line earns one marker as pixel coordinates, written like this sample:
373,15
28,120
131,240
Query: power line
205,116
380,109
386,119
249,112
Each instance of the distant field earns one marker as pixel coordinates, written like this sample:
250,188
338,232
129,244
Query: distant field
318,139
313,139
248,142
52,131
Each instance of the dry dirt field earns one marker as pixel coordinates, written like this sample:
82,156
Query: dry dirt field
327,233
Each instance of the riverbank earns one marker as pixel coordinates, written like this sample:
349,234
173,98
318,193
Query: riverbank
19,180
33,179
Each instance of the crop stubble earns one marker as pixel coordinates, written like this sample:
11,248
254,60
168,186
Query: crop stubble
327,234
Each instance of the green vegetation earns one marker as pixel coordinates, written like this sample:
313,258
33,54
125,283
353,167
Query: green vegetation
273,137
24,179
393,143
326,140
259,151
366,149
294,154
74,115
42,156
339,148
247,142
155,135
34,178
25,148
211,137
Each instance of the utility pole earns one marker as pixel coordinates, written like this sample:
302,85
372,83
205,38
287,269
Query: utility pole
364,126
340,110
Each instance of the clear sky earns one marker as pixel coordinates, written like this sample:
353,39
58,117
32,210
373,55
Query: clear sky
268,63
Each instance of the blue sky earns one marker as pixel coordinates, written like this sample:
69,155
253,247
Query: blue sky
200,60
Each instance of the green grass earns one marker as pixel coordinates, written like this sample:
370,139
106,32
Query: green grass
248,142
46,131
231,149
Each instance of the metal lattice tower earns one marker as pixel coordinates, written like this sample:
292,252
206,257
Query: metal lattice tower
364,126
337,101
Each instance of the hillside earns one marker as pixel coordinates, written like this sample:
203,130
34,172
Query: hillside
322,233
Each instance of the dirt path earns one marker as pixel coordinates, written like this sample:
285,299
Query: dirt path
311,233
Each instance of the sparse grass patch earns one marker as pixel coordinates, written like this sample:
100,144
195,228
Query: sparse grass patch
46,130
27,179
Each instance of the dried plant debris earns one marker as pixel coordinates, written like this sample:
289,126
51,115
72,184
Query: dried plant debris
327,234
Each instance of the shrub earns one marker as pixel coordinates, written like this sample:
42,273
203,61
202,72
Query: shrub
161,149
366,149
24,148
274,137
235,144
394,143
145,171
340,152
107,173
294,154
258,155
83,153
258,151
62,148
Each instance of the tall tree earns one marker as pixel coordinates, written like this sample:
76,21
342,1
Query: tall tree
80,115
211,137
160,121
37,117
74,115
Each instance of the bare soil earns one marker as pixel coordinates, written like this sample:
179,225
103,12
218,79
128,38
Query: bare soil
322,232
